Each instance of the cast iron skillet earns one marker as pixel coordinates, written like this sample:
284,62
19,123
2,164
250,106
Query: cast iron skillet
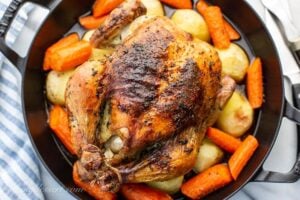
62,16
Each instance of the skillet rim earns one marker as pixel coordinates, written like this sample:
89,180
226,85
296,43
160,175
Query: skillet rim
254,172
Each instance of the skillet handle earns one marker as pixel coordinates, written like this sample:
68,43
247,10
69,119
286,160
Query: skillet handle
5,23
46,6
292,113
292,176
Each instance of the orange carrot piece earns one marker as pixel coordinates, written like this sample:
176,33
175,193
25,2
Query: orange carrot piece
59,123
241,156
64,42
140,191
91,22
201,6
254,84
216,27
71,56
233,34
206,182
223,140
181,4
91,188
103,7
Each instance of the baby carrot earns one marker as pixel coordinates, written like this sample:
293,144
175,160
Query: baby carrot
71,56
201,6
181,4
216,27
92,189
223,140
140,191
254,84
206,182
103,7
241,156
64,42
59,123
233,34
91,22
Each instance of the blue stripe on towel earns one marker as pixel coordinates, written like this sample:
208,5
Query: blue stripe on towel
19,182
8,83
12,118
19,142
31,174
11,102
19,165
7,190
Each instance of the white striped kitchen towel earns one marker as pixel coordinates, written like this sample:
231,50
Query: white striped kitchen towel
19,166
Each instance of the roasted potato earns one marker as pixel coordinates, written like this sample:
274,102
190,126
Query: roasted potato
170,186
234,62
154,7
128,30
56,84
100,54
191,22
116,40
87,35
209,155
237,115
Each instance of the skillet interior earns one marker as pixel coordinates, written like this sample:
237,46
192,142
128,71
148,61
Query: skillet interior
256,42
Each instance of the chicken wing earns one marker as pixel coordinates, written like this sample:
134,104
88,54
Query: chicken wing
118,19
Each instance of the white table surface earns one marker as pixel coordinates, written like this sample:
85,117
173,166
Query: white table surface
281,158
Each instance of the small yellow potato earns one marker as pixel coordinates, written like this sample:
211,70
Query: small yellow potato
154,7
191,22
237,115
56,84
234,62
209,155
87,35
100,54
116,40
128,30
170,186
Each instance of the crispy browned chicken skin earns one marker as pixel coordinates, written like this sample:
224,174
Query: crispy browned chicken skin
160,90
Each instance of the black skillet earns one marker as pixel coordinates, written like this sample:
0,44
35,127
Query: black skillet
62,16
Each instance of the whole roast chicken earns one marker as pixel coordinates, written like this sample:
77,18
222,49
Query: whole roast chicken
141,115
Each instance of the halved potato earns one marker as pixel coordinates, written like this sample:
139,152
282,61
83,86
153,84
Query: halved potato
234,62
191,22
170,186
154,7
237,115
209,155
56,84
